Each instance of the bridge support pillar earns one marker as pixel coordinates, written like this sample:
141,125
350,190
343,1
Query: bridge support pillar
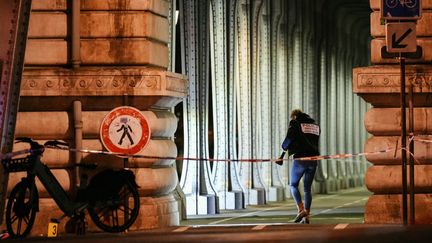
379,85
123,61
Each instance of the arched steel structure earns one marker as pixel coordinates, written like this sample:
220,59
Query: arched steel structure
257,60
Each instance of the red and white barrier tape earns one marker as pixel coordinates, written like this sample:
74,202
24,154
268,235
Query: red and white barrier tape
314,158
422,140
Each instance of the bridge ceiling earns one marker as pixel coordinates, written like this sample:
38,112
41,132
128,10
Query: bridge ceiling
347,17
336,12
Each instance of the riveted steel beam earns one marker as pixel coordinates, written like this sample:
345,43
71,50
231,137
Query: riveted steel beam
266,57
219,95
172,17
243,94
258,184
225,174
278,86
14,16
235,184
196,181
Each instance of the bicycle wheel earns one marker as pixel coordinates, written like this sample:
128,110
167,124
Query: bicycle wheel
411,3
118,213
391,3
21,210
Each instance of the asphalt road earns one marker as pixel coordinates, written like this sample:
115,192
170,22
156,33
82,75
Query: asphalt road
335,218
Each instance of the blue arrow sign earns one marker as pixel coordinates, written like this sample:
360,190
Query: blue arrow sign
400,9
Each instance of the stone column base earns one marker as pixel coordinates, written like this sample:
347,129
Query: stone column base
208,205
276,194
387,209
234,200
257,196
155,212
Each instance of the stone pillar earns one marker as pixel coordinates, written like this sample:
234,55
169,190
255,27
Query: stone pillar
380,86
123,61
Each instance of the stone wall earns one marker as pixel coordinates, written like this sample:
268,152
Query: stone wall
380,86
123,50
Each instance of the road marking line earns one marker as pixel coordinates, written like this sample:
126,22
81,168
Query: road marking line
259,227
181,229
287,205
251,213
340,226
230,225
340,206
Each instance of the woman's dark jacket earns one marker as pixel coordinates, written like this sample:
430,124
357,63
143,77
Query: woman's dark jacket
302,137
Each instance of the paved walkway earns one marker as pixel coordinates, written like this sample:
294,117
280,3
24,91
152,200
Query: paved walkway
336,218
345,206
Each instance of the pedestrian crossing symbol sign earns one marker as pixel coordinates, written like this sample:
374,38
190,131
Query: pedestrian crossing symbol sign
125,130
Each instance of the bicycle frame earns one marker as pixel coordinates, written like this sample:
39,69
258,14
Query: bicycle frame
55,190
110,194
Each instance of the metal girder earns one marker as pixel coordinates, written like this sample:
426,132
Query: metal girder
258,184
279,111
172,33
219,95
330,72
282,49
14,16
235,180
346,14
263,62
196,181
226,178
264,108
323,107
243,94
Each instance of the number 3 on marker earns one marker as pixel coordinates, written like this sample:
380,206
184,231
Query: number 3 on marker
52,229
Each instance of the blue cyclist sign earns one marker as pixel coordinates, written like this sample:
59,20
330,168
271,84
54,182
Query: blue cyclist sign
400,9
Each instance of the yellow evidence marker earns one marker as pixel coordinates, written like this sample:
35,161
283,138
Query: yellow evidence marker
52,229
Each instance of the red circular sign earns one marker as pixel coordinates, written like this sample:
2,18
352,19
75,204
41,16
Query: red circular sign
125,130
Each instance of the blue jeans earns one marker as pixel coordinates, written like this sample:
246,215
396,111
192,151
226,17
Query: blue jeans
300,168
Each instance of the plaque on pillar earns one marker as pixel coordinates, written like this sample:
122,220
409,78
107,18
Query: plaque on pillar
398,10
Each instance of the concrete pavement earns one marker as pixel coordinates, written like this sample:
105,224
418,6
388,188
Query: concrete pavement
335,218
